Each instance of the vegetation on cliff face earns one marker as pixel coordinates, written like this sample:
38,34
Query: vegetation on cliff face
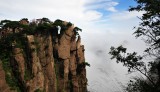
149,29
34,56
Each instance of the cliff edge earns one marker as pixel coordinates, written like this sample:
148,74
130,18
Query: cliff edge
41,56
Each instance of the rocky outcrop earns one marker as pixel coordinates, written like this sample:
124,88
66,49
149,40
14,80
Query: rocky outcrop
42,60
3,85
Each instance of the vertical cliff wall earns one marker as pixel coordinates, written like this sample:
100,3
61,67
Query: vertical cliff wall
35,57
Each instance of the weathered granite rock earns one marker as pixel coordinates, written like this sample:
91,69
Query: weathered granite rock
46,58
20,61
69,32
78,42
37,81
3,85
80,54
73,43
73,63
47,61
24,21
64,51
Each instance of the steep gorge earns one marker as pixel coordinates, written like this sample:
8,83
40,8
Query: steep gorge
35,57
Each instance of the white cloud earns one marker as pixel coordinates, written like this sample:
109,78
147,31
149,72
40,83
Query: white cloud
72,10
92,15
111,6
39,8
107,5
112,9
114,30
113,3
125,15
105,74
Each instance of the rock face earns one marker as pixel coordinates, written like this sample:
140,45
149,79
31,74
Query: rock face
44,61
3,85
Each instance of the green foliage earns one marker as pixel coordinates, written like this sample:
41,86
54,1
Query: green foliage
46,20
28,75
6,65
81,66
140,85
149,29
76,29
69,24
26,19
38,90
130,60
12,24
87,64
44,26
3,22
9,77
84,64
58,22
6,52
63,27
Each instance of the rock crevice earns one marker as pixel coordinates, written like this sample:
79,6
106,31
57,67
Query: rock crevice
41,60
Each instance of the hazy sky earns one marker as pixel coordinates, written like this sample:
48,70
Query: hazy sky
105,23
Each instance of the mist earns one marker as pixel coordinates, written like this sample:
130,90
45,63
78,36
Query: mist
104,73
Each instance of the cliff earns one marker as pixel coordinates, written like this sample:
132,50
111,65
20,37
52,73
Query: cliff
41,56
